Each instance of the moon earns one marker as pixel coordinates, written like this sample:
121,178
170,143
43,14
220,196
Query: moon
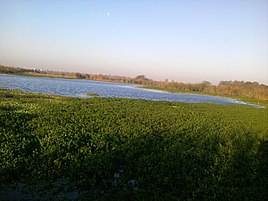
108,14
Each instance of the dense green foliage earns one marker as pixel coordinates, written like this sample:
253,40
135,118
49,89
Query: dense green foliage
135,149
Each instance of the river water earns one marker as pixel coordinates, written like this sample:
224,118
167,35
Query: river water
79,88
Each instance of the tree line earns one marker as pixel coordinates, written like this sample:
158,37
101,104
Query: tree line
230,88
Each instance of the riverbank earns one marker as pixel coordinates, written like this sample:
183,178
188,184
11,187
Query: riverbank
111,148
248,100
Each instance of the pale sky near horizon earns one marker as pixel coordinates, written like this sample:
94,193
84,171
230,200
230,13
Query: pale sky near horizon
181,40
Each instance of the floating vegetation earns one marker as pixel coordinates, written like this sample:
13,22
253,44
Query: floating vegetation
118,149
92,94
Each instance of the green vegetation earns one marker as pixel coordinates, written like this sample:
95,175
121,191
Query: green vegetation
252,90
92,94
118,149
246,99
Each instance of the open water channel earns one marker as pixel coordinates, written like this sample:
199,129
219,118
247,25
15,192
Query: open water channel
79,88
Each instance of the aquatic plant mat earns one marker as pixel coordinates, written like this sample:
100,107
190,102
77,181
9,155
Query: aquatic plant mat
59,148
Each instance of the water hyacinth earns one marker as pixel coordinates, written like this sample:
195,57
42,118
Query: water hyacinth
112,148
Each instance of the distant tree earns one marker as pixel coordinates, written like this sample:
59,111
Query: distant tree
225,82
79,75
206,83
141,77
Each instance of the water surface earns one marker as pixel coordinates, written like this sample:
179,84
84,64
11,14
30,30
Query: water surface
79,88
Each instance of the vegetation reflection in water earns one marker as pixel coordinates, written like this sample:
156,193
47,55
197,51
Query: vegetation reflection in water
133,149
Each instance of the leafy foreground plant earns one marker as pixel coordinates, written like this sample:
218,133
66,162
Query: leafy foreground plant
117,149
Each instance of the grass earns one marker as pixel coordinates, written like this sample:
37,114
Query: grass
239,98
118,149
92,94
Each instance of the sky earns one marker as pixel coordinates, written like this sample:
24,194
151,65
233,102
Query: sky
180,40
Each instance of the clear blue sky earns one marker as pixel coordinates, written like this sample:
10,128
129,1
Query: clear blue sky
182,40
